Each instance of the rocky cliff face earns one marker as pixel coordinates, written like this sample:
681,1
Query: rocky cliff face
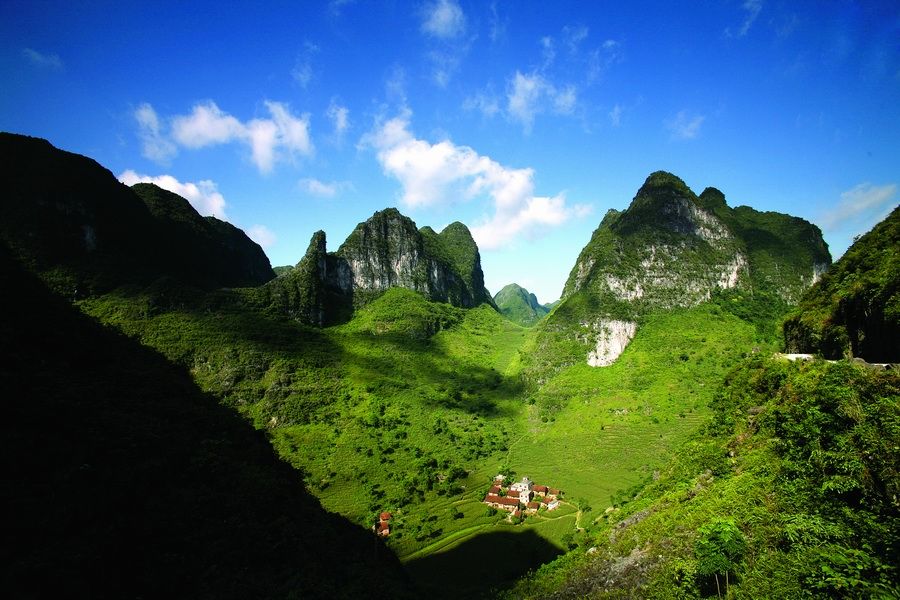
665,251
385,251
670,249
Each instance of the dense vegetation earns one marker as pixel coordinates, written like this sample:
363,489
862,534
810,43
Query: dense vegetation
519,305
855,309
790,492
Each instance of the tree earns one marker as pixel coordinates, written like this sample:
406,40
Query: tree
719,549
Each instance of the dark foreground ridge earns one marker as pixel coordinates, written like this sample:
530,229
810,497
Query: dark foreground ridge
122,479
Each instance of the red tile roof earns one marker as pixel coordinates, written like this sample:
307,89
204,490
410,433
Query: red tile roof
553,491
385,516
494,490
534,505
540,488
382,527
506,501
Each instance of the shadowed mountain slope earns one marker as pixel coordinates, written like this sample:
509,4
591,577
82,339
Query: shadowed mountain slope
70,219
123,479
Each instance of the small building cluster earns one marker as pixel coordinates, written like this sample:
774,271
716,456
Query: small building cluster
522,496
382,527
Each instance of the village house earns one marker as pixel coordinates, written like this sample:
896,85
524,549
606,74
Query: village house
507,503
522,493
383,527
522,486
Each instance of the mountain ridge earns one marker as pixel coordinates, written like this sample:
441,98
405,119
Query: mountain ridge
519,305
386,250
72,220
672,249
124,479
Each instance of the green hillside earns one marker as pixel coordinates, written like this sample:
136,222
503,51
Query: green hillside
855,309
519,305
790,492
413,406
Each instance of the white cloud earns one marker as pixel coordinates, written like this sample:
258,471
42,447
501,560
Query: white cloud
573,36
154,145
293,132
752,9
203,195
864,204
267,139
548,52
44,61
443,19
395,85
524,98
530,95
206,125
445,23
564,100
445,63
336,7
684,126
340,118
323,189
444,172
615,115
497,25
601,59
303,71
487,104
262,235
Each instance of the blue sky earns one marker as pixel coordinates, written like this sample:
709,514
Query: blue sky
526,121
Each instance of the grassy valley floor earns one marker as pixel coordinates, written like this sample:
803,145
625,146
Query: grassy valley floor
412,407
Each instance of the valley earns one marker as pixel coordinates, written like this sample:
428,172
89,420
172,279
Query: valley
383,377
377,416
